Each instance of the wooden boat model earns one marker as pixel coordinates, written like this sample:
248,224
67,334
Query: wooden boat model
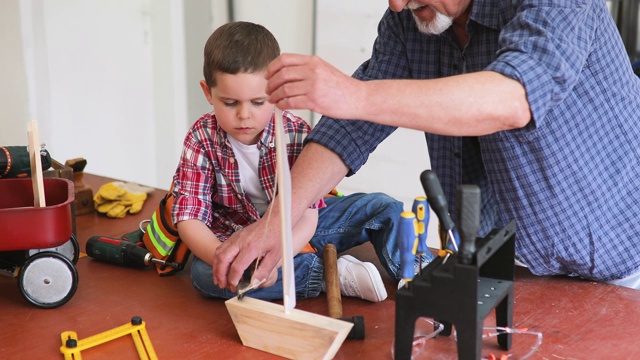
296,334
281,329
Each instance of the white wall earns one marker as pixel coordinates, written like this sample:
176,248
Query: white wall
116,81
291,22
101,85
14,107
345,33
90,82
344,37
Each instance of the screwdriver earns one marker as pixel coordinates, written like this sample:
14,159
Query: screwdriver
122,252
468,204
406,239
438,203
421,209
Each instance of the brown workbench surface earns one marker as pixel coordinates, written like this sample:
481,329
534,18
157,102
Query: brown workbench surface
578,319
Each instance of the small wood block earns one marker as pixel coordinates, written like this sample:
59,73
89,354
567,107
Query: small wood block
84,194
296,334
59,170
84,201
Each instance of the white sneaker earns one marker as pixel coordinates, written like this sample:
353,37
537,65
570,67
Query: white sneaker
360,279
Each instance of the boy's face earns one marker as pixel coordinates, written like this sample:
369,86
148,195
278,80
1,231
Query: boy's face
240,104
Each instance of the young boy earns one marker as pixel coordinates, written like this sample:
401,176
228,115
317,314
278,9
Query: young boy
225,179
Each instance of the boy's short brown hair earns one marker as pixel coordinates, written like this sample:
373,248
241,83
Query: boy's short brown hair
237,47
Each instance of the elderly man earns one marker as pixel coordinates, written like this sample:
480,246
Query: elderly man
534,101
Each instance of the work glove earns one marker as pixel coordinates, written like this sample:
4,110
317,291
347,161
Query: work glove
117,199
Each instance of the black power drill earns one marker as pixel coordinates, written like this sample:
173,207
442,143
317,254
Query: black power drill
15,161
122,252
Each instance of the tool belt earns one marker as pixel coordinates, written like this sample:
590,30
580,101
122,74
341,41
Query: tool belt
160,237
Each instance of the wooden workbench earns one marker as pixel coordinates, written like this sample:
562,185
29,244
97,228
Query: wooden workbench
578,319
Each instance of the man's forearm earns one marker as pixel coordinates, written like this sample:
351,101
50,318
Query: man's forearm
304,229
471,104
316,172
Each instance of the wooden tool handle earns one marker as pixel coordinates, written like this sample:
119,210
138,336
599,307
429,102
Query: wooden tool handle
77,165
332,281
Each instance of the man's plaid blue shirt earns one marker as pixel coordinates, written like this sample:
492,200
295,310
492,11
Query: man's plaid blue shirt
571,178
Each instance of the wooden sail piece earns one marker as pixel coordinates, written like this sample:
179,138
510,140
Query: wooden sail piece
281,329
284,187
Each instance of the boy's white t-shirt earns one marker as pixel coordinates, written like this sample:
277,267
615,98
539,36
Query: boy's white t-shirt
248,157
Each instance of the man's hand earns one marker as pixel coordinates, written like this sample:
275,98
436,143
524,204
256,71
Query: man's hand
308,82
242,248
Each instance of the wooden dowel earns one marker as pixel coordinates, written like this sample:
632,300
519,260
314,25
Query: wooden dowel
36,165
332,281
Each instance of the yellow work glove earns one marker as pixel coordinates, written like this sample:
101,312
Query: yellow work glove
117,198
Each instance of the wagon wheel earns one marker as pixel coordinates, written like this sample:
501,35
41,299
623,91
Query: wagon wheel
48,280
70,249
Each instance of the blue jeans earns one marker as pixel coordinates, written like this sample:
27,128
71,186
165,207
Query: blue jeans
346,222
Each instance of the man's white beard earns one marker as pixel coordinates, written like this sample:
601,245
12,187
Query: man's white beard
436,27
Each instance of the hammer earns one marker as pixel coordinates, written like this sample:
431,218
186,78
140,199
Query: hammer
334,299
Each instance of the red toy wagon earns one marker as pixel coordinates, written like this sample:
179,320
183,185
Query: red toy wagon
37,244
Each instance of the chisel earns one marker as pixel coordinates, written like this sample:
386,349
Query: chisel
438,203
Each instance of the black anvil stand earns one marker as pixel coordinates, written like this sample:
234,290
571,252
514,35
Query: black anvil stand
462,294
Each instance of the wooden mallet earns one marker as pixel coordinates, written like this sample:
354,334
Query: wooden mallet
334,298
